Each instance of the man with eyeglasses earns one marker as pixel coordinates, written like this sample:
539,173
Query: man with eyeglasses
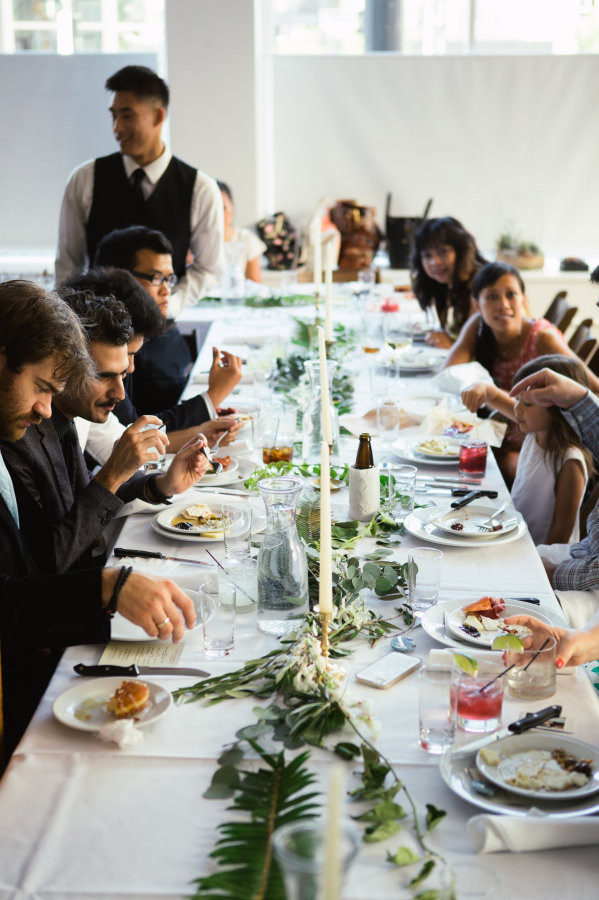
163,363
143,184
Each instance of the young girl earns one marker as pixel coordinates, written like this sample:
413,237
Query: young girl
554,464
502,337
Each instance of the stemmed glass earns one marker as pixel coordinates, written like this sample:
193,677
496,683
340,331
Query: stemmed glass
397,334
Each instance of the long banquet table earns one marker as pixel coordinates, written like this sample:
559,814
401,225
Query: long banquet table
84,819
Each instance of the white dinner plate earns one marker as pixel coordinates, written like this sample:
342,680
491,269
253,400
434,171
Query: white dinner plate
406,450
456,772
239,524
215,501
69,706
418,524
433,620
121,629
473,515
420,362
451,451
455,617
227,476
521,743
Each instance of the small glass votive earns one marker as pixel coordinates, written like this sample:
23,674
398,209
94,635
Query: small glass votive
435,712
401,487
424,577
534,674
473,457
219,628
299,848
478,707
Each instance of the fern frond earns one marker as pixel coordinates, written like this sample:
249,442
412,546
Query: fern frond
274,794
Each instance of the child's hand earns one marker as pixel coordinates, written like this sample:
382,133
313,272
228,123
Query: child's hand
475,396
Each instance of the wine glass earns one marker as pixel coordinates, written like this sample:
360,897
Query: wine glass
397,334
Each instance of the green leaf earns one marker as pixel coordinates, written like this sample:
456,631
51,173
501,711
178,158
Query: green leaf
346,750
383,586
424,872
231,757
404,856
433,816
375,833
385,811
434,894
252,731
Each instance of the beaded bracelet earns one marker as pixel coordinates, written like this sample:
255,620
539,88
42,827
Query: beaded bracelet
121,578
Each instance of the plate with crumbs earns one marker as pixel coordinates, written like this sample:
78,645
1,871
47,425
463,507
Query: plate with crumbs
83,706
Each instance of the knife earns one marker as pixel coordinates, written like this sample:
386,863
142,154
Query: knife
155,554
473,495
534,600
135,670
518,727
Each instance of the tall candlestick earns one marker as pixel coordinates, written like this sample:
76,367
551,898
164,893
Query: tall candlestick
325,588
316,241
332,840
328,278
324,389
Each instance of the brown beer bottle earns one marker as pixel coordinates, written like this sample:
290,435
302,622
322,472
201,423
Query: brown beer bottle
364,491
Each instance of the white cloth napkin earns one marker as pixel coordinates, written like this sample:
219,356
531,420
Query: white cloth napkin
455,378
496,834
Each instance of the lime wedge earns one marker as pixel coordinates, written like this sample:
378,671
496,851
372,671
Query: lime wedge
508,642
466,663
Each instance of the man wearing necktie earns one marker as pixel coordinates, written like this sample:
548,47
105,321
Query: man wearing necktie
42,351
143,184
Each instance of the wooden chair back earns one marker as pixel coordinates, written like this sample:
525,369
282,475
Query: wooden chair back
587,350
564,313
581,333
550,312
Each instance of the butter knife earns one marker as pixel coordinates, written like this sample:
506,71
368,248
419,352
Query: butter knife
134,670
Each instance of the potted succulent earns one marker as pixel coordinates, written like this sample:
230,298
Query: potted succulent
519,253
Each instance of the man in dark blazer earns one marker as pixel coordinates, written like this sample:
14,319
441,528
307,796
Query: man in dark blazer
48,461
43,348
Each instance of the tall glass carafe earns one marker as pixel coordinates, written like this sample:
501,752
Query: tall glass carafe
282,564
312,433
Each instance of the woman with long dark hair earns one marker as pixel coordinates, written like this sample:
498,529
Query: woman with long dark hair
444,261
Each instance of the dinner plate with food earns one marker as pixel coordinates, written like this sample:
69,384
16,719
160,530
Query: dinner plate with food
434,620
203,521
422,524
90,704
481,621
434,450
544,766
471,522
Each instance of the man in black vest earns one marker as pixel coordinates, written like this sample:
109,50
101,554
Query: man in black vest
143,184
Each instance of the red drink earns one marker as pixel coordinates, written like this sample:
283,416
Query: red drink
477,710
473,457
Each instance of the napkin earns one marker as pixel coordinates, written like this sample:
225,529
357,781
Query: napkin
455,378
496,834
124,733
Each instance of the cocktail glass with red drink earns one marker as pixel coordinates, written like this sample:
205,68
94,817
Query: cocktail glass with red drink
473,457
477,703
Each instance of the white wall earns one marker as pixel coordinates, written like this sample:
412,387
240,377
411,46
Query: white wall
489,138
55,114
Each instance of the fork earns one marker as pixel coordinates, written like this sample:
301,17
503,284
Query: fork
487,525
217,442
485,529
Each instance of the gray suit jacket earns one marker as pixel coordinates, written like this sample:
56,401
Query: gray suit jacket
37,462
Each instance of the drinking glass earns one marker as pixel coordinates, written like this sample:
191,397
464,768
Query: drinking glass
300,851
387,419
278,433
401,486
219,629
478,707
424,577
155,465
242,573
473,458
397,333
534,675
237,530
435,711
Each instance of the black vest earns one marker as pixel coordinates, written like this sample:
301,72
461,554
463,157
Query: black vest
168,209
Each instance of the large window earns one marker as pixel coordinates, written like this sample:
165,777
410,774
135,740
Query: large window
80,26
435,26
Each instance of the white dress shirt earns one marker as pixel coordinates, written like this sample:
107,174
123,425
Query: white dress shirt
207,227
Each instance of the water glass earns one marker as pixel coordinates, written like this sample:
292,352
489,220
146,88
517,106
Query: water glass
299,848
473,457
243,575
219,629
435,712
478,707
237,530
401,487
387,419
424,577
534,675
155,465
